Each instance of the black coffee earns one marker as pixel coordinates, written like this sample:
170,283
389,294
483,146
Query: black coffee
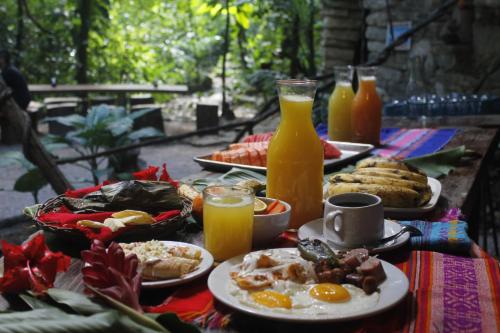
351,204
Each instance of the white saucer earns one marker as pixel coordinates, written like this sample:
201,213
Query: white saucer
314,229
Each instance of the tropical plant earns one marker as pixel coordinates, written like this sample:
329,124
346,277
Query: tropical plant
102,128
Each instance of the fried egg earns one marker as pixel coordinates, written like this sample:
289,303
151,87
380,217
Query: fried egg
287,296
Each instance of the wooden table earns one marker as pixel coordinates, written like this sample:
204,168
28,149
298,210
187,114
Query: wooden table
459,190
107,88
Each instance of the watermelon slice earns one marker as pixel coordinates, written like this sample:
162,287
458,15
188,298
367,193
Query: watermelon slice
329,149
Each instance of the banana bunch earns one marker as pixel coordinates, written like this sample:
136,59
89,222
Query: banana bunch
398,184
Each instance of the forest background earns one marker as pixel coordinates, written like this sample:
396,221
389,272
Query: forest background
157,41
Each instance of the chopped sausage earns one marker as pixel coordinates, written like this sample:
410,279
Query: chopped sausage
369,284
355,279
372,267
338,275
325,276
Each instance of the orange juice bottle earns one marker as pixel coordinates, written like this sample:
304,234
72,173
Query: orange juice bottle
366,112
339,105
295,154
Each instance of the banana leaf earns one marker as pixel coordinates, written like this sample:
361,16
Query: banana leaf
440,163
149,196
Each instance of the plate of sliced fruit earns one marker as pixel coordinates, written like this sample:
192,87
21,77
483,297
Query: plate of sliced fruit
251,154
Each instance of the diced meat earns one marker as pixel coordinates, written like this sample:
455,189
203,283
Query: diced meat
369,284
355,257
355,279
372,267
325,276
338,275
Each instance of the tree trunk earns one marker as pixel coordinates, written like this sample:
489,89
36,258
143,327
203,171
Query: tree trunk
294,46
82,40
241,46
226,111
33,149
310,40
19,32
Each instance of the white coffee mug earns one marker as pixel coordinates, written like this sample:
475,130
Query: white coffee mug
353,219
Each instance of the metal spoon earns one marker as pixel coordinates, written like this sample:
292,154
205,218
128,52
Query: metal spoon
406,228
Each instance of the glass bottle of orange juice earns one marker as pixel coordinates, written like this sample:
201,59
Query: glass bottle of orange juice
295,154
339,105
366,112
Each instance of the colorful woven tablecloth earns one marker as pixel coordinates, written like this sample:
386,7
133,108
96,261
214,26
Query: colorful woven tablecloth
403,143
447,294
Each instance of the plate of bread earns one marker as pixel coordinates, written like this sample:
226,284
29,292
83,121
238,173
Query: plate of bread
169,263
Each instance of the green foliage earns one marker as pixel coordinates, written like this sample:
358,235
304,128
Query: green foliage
160,41
102,128
57,314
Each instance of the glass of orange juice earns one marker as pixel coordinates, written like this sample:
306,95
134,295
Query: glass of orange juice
228,220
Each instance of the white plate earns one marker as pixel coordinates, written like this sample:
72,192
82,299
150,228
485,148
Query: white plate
350,152
417,211
314,229
392,291
206,263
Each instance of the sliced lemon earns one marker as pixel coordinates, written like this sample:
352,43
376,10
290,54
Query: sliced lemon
259,206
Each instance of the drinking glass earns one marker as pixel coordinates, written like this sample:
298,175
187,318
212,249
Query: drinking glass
228,220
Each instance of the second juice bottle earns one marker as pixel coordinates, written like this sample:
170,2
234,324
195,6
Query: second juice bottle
366,117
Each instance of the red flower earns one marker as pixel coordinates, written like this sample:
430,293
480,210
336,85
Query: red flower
166,177
146,174
31,266
112,273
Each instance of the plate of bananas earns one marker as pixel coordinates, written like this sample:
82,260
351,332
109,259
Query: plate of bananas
406,191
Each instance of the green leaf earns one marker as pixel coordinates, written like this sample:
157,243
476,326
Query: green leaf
37,314
120,126
139,113
146,132
438,164
78,302
236,174
134,315
30,211
72,120
35,303
31,181
33,322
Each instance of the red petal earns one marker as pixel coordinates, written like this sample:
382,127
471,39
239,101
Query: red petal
166,177
147,174
15,281
13,255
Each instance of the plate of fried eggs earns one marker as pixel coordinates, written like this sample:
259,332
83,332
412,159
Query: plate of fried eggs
279,284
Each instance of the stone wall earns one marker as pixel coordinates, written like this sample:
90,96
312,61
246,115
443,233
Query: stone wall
458,48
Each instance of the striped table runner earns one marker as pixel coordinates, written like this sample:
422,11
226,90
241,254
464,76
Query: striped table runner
447,294
403,143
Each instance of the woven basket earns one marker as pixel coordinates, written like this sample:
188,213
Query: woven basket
143,232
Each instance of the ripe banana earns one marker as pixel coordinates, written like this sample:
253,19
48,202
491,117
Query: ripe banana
366,179
380,162
392,196
392,173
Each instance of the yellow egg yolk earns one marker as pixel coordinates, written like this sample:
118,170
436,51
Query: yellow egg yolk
329,292
272,299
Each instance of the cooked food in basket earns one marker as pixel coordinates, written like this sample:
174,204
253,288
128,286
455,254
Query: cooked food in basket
398,184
